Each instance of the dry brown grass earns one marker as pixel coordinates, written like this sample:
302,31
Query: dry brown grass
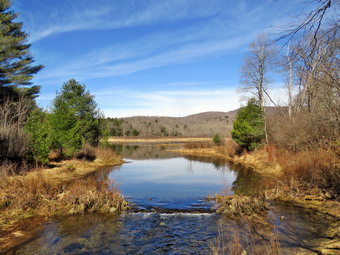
262,160
90,195
157,139
226,150
241,206
7,168
58,190
229,148
248,238
199,144
310,179
106,155
312,169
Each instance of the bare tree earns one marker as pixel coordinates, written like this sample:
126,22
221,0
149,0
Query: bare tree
311,66
286,64
324,14
255,69
12,136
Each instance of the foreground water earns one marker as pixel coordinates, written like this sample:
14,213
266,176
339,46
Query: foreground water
170,213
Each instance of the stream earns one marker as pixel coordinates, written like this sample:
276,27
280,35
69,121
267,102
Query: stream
169,211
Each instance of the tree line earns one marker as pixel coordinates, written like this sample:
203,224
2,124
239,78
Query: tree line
28,133
308,61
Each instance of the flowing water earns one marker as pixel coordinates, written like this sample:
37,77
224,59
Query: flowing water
170,213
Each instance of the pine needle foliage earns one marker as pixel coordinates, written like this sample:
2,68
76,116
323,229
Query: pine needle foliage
248,129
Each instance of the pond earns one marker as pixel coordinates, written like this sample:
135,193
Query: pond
170,213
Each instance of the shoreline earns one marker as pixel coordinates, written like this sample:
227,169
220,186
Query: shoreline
258,165
161,139
19,226
273,170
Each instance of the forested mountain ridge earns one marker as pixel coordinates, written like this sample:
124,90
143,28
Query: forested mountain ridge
200,124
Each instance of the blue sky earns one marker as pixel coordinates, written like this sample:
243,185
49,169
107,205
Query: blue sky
148,57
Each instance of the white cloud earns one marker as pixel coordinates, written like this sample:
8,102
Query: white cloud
168,103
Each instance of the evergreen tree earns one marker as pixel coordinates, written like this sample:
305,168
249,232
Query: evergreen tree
39,130
248,129
16,69
75,119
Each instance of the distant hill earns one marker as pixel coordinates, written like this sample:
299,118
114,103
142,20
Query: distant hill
200,124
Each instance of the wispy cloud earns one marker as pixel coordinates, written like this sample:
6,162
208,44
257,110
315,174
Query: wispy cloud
113,41
66,16
132,59
211,35
168,103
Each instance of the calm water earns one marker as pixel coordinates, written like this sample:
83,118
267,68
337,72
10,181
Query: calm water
171,184
170,213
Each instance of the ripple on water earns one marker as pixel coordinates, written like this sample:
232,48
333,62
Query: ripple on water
133,233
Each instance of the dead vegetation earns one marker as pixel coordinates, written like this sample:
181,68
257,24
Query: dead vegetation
246,238
167,139
226,150
67,188
199,145
90,195
241,206
310,178
307,170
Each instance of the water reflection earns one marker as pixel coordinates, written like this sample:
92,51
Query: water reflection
175,183
146,151
157,180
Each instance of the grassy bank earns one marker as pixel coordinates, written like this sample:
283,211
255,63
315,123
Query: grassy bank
164,139
309,179
67,187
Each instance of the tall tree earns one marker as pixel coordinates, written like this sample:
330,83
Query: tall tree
255,69
75,118
16,62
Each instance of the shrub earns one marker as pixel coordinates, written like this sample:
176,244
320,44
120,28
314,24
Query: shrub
217,140
88,152
311,169
106,154
39,132
229,148
135,132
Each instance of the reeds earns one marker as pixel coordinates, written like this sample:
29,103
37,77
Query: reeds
106,154
241,206
246,238
199,145
311,169
90,195
39,193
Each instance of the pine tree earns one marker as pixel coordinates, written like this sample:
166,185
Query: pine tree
16,69
248,126
75,118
